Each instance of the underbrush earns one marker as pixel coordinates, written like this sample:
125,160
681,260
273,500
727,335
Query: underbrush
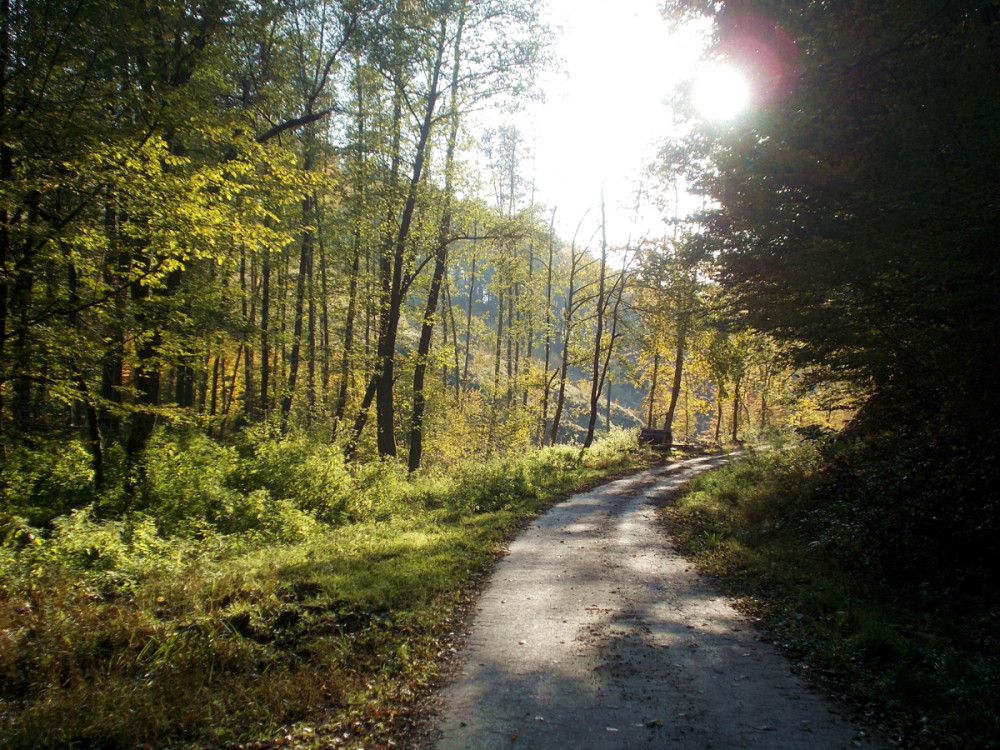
867,613
250,592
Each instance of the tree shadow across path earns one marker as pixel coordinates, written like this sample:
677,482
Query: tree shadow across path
594,632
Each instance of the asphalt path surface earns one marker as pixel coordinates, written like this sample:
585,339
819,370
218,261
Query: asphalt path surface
593,632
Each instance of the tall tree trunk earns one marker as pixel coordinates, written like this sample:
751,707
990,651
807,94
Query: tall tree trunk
675,388
454,340
468,316
508,399
249,310
546,384
567,333
218,364
311,343
736,407
440,264
352,302
145,379
6,175
360,190
114,271
529,348
19,300
324,316
607,426
652,390
595,381
298,315
229,394
86,401
497,362
265,326
399,280
718,418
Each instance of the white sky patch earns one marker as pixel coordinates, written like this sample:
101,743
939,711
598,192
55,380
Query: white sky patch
605,110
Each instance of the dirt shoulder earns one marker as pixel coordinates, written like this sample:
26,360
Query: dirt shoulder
594,632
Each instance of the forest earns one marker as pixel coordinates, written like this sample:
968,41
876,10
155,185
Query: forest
287,345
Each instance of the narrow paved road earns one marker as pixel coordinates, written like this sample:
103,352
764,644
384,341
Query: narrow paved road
594,633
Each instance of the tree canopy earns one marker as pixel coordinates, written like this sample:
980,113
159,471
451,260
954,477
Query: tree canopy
852,217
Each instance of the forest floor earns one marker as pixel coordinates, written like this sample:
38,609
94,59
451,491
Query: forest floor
595,632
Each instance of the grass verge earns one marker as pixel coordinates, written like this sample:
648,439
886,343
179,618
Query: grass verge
309,628
773,531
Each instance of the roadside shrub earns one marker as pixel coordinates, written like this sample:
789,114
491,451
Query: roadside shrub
46,482
491,485
297,469
186,483
378,491
614,446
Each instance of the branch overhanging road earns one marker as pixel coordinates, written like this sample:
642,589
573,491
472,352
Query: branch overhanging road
594,633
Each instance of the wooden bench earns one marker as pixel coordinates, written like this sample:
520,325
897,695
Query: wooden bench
656,438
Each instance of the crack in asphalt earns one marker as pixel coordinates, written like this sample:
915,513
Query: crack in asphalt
594,632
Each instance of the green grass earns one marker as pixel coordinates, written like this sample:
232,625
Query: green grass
242,603
784,539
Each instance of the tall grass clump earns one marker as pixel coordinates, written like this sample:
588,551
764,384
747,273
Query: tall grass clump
236,591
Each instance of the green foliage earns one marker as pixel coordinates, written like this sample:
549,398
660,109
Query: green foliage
246,593
790,534
489,486
42,483
851,217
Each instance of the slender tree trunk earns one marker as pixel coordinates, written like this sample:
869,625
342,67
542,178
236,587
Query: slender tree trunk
249,310
607,426
718,419
352,285
764,389
497,357
399,281
652,390
6,175
468,317
352,303
736,408
113,362
675,389
311,332
529,348
546,384
19,299
145,379
228,394
444,333
440,265
298,314
454,341
265,323
219,363
324,313
595,382
567,333
508,399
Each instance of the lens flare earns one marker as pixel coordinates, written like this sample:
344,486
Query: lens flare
721,92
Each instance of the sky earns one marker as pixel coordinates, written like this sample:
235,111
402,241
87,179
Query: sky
604,110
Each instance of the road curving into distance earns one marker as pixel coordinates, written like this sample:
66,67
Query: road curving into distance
594,633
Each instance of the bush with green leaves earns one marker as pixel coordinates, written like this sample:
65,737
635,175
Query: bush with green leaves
42,482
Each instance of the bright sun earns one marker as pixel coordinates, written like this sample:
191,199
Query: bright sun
720,92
